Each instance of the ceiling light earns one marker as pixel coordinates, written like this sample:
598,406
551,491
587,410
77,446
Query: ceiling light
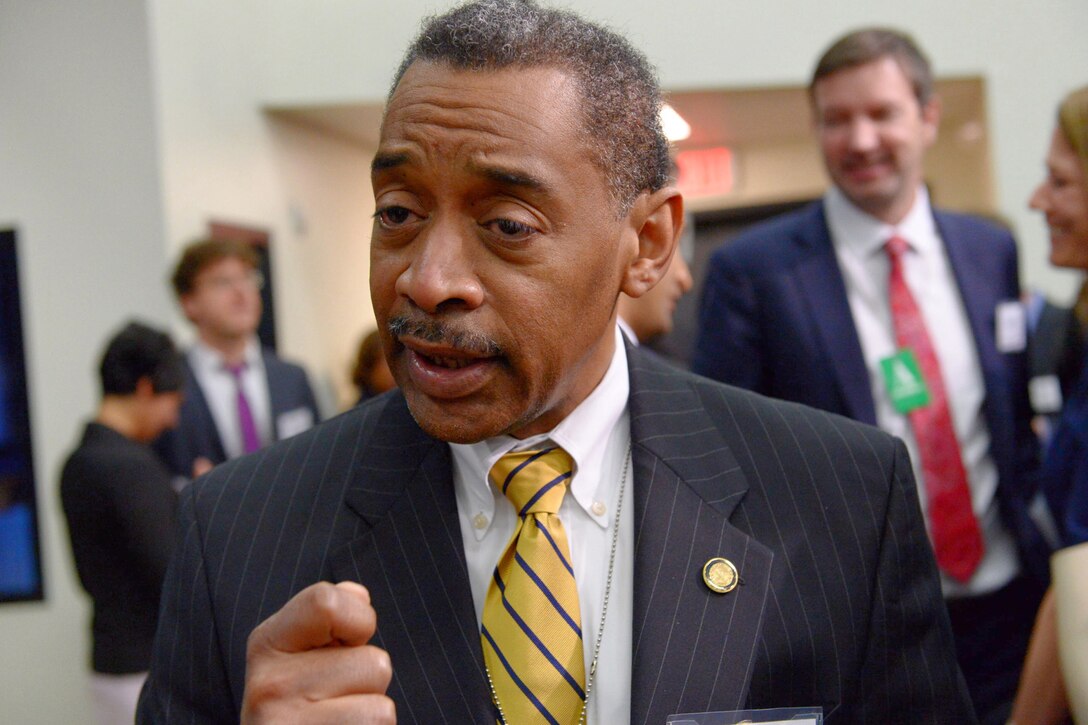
674,126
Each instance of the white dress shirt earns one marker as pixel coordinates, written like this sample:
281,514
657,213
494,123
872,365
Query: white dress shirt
626,329
597,435
859,247
217,384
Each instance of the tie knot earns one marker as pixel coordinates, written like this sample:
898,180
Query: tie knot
534,481
896,246
235,369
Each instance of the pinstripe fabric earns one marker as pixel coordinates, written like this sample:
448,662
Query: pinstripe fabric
838,605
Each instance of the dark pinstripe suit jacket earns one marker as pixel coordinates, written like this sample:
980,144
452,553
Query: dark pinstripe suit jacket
839,604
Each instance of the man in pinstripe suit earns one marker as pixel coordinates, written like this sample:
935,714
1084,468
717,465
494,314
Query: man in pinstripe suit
520,185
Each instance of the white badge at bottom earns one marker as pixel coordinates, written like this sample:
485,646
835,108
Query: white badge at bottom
1010,326
774,716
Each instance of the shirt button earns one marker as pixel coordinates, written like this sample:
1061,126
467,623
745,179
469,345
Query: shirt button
479,521
598,508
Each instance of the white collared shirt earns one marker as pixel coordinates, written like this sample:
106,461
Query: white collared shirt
859,247
627,330
597,435
217,384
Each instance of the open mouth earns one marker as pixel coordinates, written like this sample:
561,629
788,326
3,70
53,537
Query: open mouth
443,355
445,359
446,373
452,363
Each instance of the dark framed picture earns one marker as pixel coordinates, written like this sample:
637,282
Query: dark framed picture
20,550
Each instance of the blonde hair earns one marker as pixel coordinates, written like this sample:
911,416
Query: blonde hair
1073,121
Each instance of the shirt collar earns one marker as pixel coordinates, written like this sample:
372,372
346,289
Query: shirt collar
584,434
207,359
865,235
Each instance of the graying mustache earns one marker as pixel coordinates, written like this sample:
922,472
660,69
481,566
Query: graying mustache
441,333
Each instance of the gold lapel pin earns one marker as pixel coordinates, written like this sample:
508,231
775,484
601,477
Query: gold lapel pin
720,575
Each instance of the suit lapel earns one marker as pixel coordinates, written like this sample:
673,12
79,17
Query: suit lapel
410,556
976,283
983,283
821,283
686,487
278,390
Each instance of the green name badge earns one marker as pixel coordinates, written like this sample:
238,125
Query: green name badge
904,382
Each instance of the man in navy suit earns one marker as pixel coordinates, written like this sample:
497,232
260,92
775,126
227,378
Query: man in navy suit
798,308
729,551
217,283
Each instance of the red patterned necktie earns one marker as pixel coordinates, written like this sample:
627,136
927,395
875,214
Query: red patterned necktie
957,540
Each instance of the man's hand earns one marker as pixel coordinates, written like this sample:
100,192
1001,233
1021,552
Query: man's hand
310,661
201,465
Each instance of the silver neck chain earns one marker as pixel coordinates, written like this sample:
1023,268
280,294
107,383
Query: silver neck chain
604,606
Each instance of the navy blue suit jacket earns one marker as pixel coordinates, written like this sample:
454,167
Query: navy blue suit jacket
839,603
196,435
775,319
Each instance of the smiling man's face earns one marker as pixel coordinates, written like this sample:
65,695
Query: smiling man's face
497,251
873,134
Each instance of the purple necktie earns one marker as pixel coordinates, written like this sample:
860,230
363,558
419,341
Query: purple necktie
250,440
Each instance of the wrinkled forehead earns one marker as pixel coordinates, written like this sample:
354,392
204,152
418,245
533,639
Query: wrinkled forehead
525,115
535,89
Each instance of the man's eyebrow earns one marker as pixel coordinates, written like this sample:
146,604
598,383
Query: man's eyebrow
387,161
498,174
509,177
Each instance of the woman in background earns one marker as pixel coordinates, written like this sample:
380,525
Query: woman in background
1063,198
371,373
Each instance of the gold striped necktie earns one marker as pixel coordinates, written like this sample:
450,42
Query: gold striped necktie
532,631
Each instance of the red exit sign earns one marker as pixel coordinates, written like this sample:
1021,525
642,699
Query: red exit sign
706,172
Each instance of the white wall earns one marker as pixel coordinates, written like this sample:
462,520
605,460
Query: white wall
79,180
119,142
220,62
326,184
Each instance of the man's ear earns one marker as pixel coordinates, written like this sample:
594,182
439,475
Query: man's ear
931,119
145,389
657,217
186,303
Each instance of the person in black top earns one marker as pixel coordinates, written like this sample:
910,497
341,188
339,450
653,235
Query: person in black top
120,507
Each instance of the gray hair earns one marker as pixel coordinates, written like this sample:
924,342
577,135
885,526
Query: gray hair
619,89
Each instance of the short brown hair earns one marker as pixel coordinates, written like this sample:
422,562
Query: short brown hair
871,44
203,253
